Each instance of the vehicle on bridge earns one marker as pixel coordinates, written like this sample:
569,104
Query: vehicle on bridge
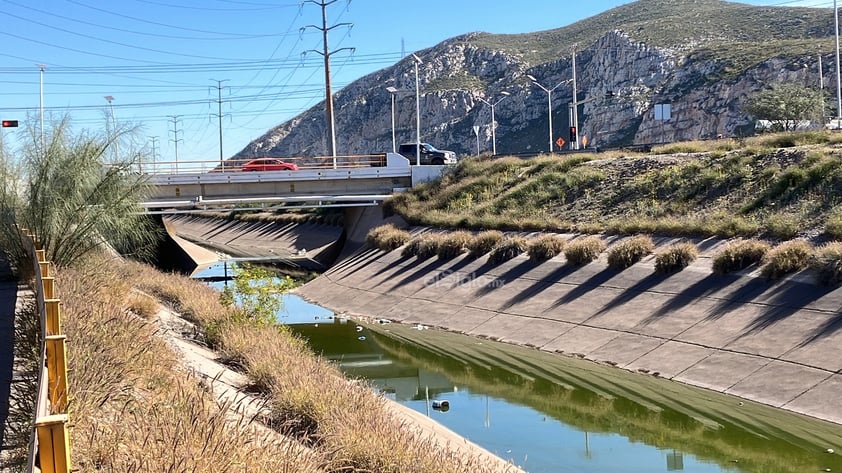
429,154
268,164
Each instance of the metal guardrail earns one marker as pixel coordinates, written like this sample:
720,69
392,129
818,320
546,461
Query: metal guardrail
235,165
49,443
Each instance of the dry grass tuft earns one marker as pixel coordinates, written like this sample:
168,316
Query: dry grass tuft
423,246
484,242
454,244
630,251
142,305
786,258
827,261
738,255
508,249
584,250
546,247
387,237
675,257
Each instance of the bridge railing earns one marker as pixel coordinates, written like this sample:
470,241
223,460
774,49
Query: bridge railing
49,442
235,165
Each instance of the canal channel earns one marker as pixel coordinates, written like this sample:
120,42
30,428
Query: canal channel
551,413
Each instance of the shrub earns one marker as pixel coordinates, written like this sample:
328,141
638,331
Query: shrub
584,250
507,249
782,227
454,244
675,257
833,225
484,242
739,255
545,247
786,258
827,261
423,246
630,251
387,237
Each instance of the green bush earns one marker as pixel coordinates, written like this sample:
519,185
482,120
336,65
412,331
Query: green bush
545,247
584,250
827,261
508,249
786,258
630,251
387,237
484,242
454,244
675,257
739,255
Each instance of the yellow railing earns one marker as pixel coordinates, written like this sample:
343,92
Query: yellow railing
49,444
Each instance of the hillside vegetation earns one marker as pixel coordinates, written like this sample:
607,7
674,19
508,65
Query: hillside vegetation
724,28
776,187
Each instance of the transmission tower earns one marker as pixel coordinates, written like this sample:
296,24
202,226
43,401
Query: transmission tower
175,139
326,53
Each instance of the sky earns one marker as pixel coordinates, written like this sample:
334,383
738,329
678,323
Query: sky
173,67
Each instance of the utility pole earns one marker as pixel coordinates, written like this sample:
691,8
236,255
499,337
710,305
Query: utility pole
326,53
175,139
41,68
219,117
838,74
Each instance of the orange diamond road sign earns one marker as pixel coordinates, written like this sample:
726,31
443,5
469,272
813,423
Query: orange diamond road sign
560,142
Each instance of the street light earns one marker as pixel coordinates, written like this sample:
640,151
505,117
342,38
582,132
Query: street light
41,68
417,112
549,103
494,123
392,91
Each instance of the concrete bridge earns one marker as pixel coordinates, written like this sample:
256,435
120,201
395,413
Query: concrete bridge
347,181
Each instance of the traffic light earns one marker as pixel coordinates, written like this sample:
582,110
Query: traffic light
572,134
10,123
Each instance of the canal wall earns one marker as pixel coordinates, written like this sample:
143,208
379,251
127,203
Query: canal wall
774,342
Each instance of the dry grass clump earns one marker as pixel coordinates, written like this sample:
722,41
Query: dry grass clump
786,258
675,257
833,225
739,255
454,244
584,250
423,246
545,247
630,251
142,305
387,237
827,261
484,242
508,249
126,392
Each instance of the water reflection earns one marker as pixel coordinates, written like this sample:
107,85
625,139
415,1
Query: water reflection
548,415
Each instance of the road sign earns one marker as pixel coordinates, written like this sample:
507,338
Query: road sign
560,142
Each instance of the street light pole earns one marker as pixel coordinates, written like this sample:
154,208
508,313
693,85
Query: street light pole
41,68
417,112
575,144
493,121
549,103
838,83
392,91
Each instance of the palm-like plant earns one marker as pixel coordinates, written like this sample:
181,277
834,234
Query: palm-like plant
75,195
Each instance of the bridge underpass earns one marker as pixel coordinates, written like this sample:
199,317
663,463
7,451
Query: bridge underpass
350,185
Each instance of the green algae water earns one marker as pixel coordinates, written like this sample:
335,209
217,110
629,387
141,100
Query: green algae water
551,413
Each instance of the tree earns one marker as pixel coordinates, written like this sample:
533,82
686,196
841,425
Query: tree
74,195
786,105
257,291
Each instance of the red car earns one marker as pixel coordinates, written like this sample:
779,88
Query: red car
269,164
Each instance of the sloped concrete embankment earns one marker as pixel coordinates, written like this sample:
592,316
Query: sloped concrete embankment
775,342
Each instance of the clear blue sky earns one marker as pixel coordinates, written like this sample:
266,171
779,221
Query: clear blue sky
162,58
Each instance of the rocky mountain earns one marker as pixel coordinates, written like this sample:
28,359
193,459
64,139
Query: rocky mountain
646,72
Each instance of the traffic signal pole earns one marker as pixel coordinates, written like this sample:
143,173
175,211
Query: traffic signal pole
575,125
